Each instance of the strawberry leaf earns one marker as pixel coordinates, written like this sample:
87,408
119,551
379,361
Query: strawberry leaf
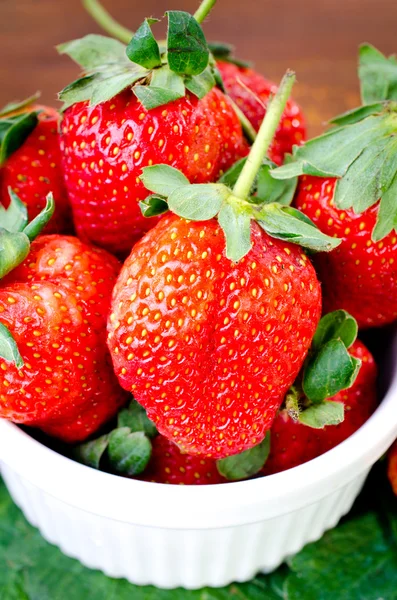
93,51
198,202
129,453
168,80
236,226
367,177
337,325
35,226
163,179
14,248
15,217
287,223
247,463
378,75
331,154
329,371
91,453
357,114
14,131
266,189
322,414
8,346
274,190
152,97
187,48
143,48
387,216
135,418
113,85
19,105
200,84
153,205
230,177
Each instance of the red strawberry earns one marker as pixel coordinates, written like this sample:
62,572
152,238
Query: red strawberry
360,275
293,443
55,306
169,465
251,92
209,347
106,146
91,270
392,467
160,108
34,168
355,199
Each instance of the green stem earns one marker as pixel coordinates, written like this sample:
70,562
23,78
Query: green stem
265,136
204,10
106,21
246,125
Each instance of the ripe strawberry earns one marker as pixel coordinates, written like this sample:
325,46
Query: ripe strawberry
33,169
91,270
169,465
55,305
361,274
392,467
209,347
293,443
155,112
106,146
251,92
354,198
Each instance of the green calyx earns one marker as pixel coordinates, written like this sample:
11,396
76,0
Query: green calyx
328,369
15,128
361,149
246,464
16,233
244,193
158,73
126,449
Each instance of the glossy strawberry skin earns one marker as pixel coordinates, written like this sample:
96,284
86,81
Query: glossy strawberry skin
209,347
34,170
169,465
293,444
92,270
105,148
360,275
251,92
67,386
392,467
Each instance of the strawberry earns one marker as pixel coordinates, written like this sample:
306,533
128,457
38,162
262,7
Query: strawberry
207,337
361,274
169,465
251,92
293,443
30,160
53,307
392,467
142,113
353,197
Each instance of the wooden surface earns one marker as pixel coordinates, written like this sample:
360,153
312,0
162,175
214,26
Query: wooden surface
317,38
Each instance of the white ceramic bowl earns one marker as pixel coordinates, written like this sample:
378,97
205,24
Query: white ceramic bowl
190,536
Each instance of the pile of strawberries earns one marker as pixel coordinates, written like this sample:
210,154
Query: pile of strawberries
182,276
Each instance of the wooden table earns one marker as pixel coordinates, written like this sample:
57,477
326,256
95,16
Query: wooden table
318,39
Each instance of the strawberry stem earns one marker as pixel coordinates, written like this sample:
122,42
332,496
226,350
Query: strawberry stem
204,10
265,136
107,22
118,31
